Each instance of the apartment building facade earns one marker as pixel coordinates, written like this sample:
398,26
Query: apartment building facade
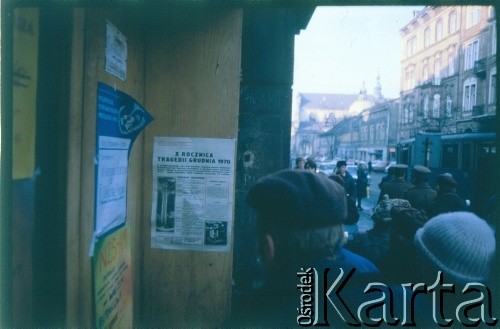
448,71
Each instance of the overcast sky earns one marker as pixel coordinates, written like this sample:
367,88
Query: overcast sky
343,46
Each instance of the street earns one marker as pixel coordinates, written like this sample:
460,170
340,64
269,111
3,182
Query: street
365,222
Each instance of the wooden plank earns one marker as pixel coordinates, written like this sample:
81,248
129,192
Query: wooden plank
192,90
73,241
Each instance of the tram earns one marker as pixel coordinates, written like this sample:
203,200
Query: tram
469,157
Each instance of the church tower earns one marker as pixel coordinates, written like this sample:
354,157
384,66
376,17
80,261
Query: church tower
377,91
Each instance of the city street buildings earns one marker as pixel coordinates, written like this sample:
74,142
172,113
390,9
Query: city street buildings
448,76
448,83
315,114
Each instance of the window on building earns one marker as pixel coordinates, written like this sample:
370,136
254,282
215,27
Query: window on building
473,16
449,105
372,133
410,113
492,96
449,156
436,103
411,46
410,77
427,37
494,40
425,73
453,22
471,54
451,61
437,72
439,30
469,100
426,106
382,131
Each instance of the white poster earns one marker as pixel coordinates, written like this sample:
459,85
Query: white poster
116,52
111,202
193,193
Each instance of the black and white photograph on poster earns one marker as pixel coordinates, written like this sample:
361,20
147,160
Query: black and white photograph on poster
193,193
165,207
215,233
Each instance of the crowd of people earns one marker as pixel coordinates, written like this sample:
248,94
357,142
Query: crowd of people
419,235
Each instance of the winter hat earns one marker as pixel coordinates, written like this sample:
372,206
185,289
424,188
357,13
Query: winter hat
421,173
460,244
382,211
445,180
406,221
298,199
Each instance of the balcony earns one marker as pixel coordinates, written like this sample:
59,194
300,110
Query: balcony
480,68
477,110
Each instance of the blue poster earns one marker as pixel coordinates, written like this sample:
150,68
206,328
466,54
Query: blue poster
120,119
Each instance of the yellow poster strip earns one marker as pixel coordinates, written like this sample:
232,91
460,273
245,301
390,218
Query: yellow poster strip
113,281
25,50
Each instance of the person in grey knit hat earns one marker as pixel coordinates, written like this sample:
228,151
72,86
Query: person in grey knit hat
299,226
460,244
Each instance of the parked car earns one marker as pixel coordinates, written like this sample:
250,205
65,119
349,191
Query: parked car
391,164
353,170
379,165
328,168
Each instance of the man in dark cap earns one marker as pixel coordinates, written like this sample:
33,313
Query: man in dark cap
396,187
344,178
421,195
447,199
299,226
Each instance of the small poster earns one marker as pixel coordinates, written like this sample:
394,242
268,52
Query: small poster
193,193
116,52
113,281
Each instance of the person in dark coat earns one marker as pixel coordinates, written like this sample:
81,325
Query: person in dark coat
349,182
299,218
361,184
421,195
447,199
374,243
396,187
388,177
344,178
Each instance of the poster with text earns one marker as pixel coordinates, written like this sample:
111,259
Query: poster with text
24,91
113,281
120,119
193,193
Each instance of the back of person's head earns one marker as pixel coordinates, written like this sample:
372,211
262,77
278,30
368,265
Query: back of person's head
446,183
390,171
400,170
302,211
382,211
421,173
310,164
459,244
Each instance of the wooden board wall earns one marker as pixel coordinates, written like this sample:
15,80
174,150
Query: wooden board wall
192,90
188,78
88,63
